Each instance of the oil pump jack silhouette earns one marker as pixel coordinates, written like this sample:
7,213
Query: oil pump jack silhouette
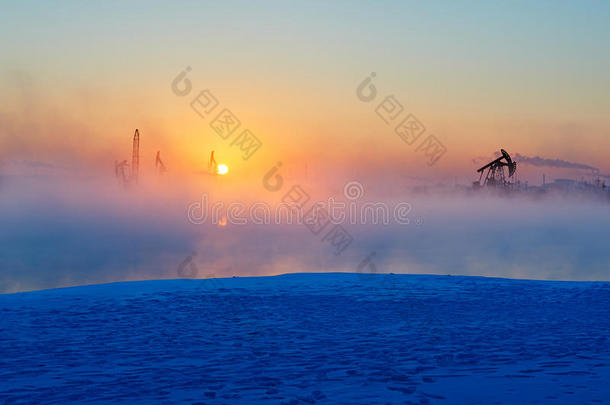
495,172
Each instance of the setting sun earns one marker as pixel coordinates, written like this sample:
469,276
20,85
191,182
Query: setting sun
222,169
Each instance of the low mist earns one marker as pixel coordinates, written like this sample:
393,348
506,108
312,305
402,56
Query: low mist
62,231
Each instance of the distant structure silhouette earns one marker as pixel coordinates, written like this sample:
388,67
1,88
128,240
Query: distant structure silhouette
212,166
119,171
121,168
135,157
159,164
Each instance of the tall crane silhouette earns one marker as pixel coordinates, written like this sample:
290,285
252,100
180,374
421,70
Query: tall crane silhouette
135,157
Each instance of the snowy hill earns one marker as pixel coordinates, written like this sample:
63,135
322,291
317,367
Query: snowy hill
309,338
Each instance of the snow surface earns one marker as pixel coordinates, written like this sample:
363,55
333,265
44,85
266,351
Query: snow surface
309,338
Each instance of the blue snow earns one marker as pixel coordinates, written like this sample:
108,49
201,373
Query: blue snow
309,339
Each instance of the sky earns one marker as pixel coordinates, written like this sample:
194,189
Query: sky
77,78
529,78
